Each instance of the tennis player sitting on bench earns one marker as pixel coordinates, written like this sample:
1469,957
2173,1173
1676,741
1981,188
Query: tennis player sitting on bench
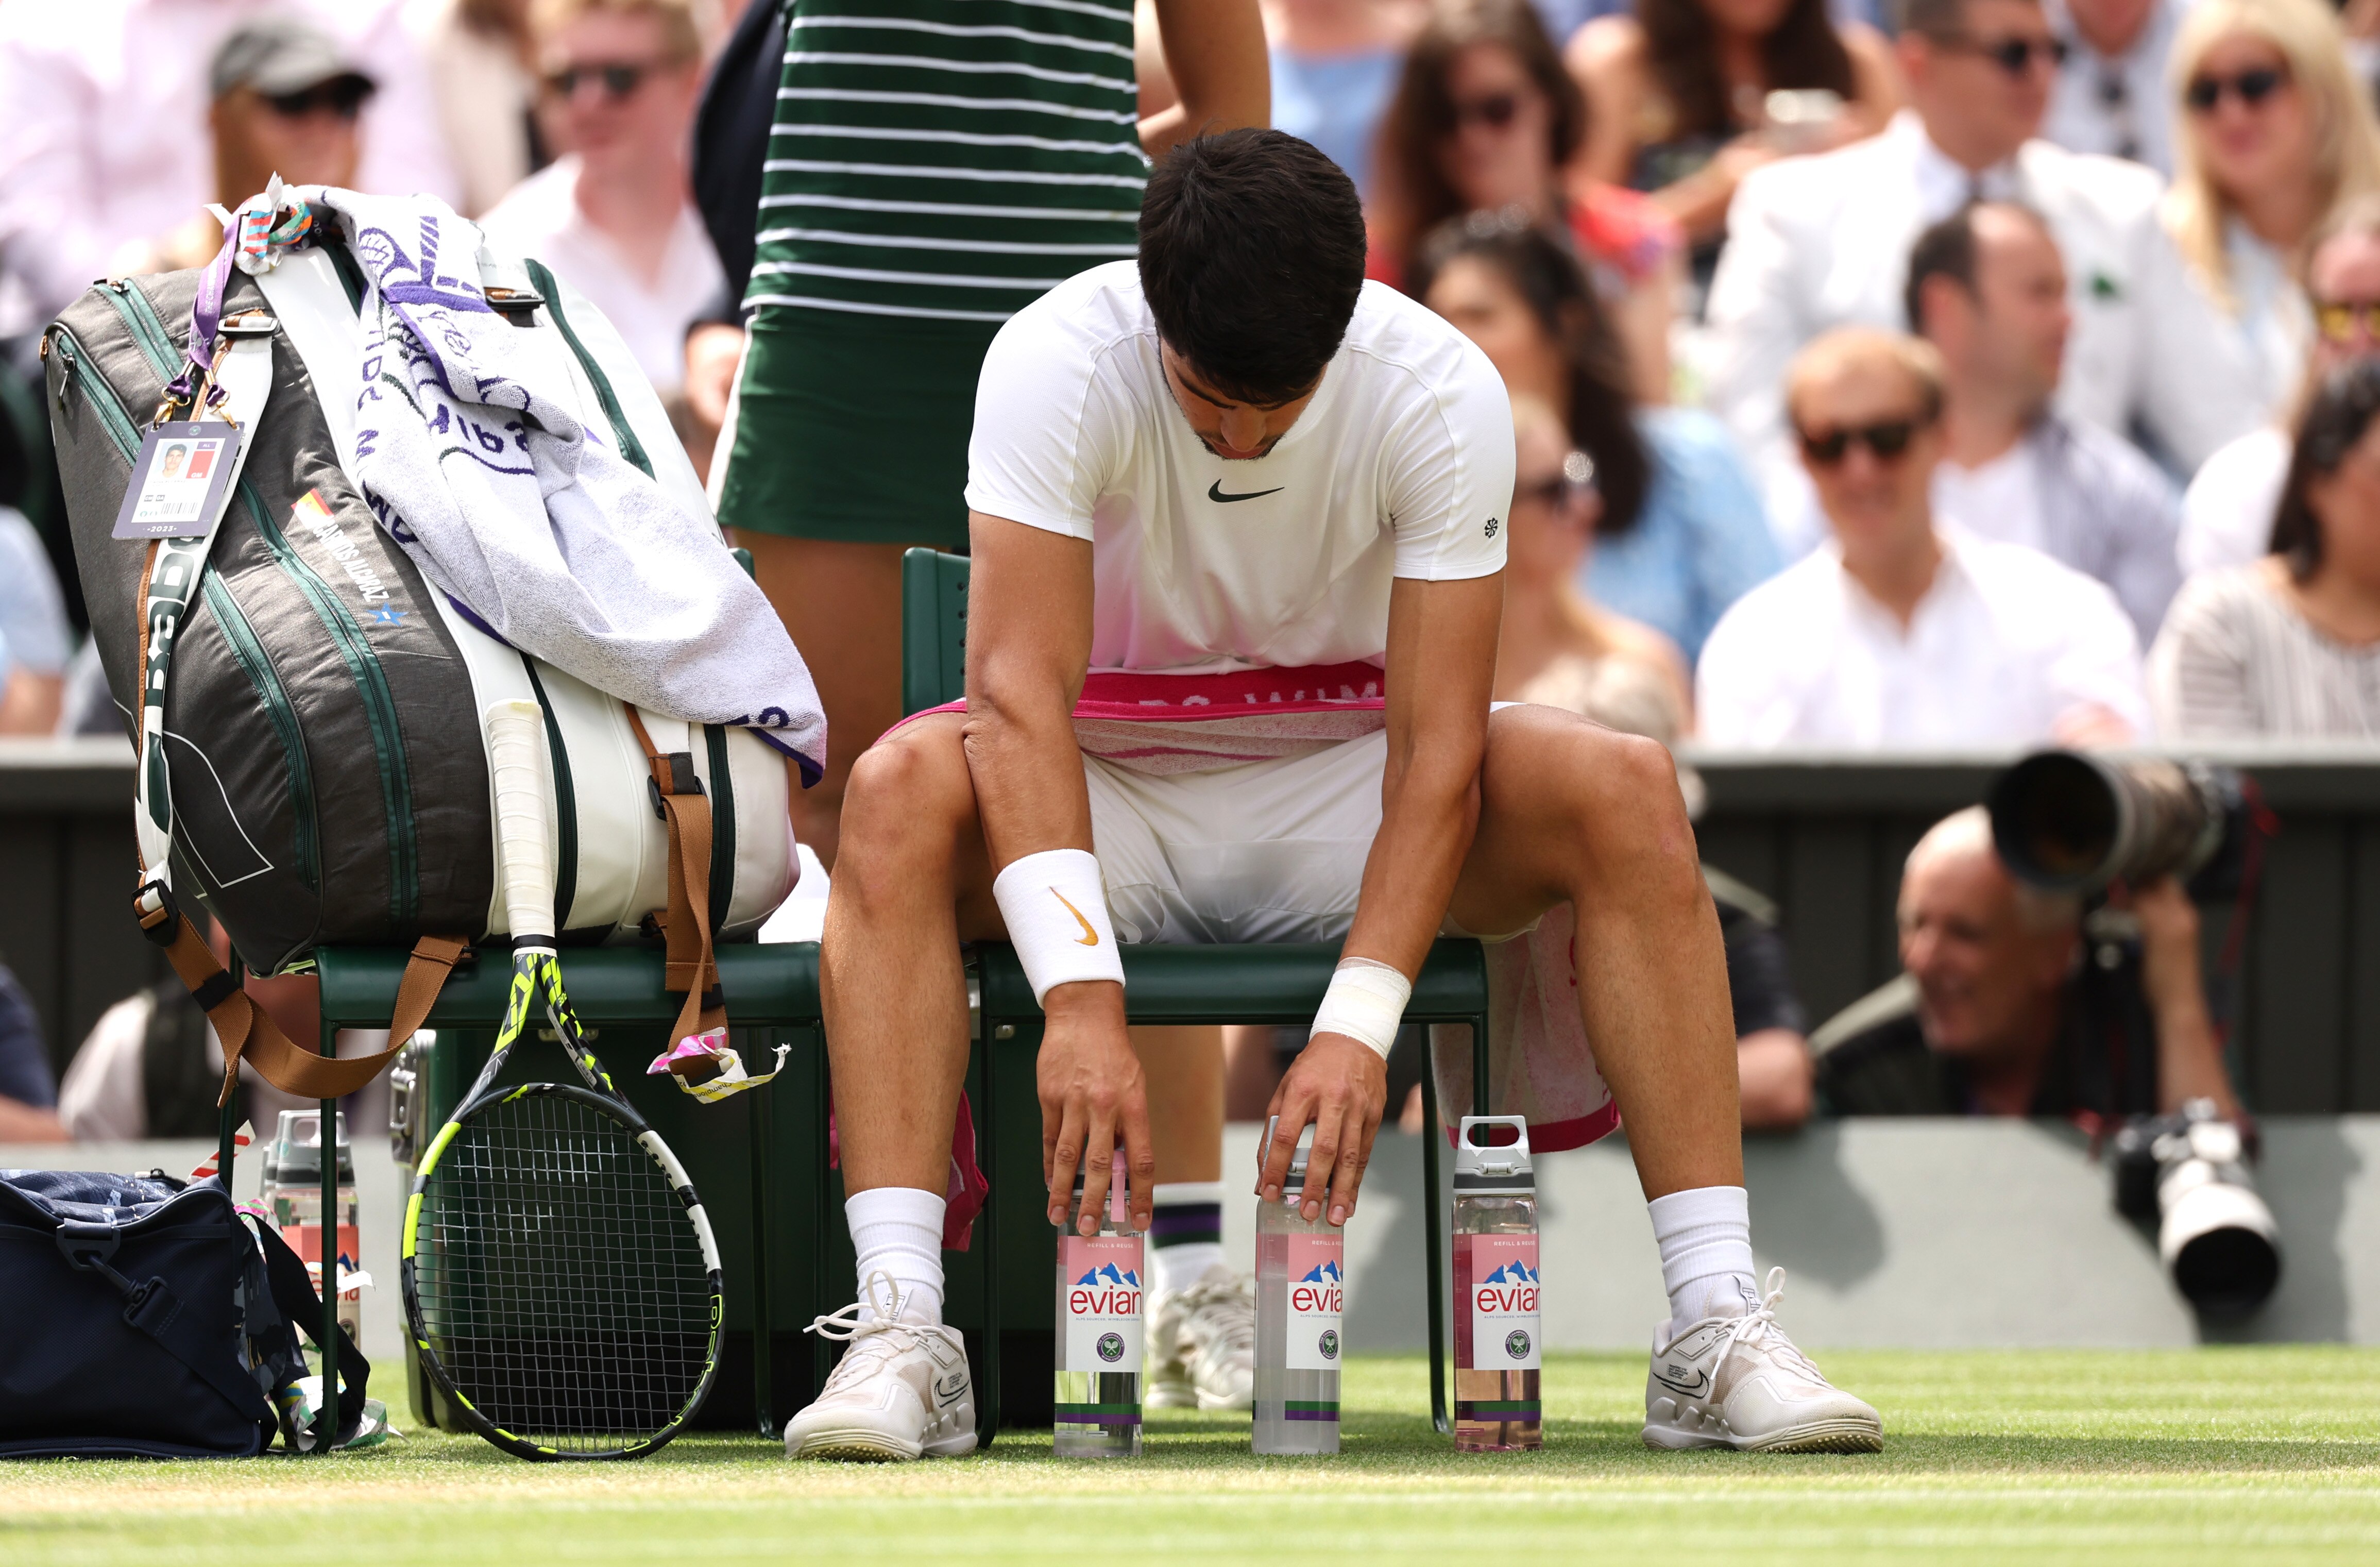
1235,453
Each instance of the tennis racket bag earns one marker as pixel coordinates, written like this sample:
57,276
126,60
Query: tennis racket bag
322,745
146,1320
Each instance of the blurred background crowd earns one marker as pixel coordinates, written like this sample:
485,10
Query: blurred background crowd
1920,376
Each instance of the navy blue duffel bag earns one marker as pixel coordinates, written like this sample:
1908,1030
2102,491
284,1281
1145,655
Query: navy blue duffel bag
146,1318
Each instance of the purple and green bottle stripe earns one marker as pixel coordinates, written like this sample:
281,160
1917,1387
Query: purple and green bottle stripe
1097,1415
1497,1409
1187,1224
1310,1409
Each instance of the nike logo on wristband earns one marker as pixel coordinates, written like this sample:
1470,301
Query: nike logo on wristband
1089,938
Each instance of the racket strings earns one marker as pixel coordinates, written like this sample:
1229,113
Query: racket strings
561,1281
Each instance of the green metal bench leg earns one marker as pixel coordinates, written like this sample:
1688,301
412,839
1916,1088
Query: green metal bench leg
763,1322
1434,1221
987,1416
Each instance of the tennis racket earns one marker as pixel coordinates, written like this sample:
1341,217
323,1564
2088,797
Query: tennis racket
560,1278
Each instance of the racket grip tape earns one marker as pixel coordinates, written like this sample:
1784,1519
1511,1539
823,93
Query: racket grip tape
516,757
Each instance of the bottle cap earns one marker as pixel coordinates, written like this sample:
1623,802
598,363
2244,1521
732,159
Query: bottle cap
295,1155
1486,1161
1295,1180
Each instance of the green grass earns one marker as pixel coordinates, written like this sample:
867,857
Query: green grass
2236,1455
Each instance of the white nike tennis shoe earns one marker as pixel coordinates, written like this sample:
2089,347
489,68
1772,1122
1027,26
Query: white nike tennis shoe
1739,1382
1204,1341
902,1389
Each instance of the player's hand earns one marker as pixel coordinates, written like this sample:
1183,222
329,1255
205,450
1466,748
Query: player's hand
1339,1086
1093,1099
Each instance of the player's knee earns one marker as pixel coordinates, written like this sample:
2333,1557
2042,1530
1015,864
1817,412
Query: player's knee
904,783
1629,812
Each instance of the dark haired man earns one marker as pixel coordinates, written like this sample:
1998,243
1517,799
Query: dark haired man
1987,288
1236,476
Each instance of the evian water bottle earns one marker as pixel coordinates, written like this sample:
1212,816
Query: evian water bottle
1100,1330
1496,1335
1301,1293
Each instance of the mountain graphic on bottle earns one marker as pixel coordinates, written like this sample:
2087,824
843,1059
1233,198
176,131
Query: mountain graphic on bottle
1514,1272
1328,1273
1110,1275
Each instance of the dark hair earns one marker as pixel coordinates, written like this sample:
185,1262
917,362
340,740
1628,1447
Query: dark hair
1948,250
1415,196
1543,271
2335,420
1936,18
1251,255
1681,46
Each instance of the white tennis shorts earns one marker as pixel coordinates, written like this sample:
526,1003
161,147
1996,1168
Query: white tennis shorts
1262,850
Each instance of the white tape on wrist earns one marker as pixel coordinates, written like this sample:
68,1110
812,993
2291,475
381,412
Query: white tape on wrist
1366,1001
1056,908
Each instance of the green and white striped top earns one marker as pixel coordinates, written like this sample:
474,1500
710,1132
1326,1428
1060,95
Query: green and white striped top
947,159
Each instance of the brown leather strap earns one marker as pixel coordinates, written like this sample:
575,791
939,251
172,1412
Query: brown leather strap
690,964
247,1031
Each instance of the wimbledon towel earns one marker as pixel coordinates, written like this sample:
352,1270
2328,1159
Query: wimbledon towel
471,458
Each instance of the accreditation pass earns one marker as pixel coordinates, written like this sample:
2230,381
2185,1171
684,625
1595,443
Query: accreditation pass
180,477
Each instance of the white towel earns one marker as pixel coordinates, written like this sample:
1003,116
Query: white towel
471,458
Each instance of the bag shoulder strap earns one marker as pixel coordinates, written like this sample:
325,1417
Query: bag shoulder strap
295,1296
248,1033
692,964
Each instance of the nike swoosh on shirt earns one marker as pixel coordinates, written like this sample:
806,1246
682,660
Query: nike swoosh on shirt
1215,492
1089,938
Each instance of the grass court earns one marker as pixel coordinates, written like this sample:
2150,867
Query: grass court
2230,1455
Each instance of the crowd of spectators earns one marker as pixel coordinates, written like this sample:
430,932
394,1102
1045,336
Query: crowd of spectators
1916,375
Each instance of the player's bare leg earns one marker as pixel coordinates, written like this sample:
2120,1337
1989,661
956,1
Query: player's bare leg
1571,811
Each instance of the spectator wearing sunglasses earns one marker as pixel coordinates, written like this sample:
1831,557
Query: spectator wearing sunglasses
1486,119
1824,242
1678,531
1987,288
2111,96
613,216
1899,634
1681,91
102,110
286,101
2276,134
2227,514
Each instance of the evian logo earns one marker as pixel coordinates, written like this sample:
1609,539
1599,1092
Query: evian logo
1323,1290
1509,1291
1107,1291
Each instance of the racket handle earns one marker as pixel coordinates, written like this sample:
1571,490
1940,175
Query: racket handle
515,737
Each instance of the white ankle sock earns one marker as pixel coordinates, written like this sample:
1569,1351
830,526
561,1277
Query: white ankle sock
898,1230
1186,1232
1705,1240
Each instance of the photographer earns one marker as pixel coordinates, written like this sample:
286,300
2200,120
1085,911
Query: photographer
2013,1004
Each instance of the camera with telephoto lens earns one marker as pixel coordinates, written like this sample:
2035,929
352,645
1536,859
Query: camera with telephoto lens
2067,822
2187,1173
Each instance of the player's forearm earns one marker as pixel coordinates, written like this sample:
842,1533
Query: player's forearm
1429,811
1215,53
1026,768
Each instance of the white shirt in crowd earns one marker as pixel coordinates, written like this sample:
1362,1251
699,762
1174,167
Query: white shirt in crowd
541,218
104,140
1820,242
2004,644
2000,499
2226,513
1402,466
2118,106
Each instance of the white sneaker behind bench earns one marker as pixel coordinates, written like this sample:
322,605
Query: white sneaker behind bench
902,1389
1739,1382
1202,1344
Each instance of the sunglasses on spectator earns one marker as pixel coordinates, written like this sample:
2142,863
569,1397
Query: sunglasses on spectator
2014,56
1496,111
2252,86
1549,493
1886,439
343,97
2343,321
619,79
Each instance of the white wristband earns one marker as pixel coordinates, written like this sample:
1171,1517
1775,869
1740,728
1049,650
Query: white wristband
1366,1001
1056,909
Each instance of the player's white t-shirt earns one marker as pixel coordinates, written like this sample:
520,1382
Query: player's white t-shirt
1401,467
